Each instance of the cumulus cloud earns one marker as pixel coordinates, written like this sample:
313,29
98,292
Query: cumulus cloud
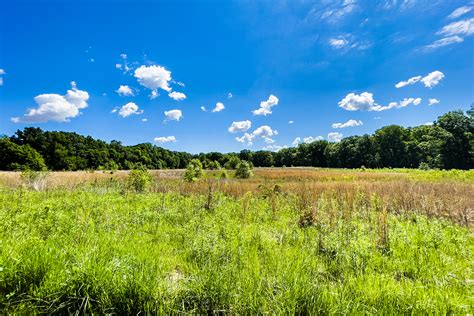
291,122
124,91
430,80
239,127
354,102
433,101
459,12
365,101
219,107
229,95
124,66
349,123
178,96
2,72
203,108
264,132
173,115
274,147
144,120
306,140
266,106
129,109
55,107
153,78
165,139
334,137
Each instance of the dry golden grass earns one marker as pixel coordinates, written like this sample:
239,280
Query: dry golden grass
399,192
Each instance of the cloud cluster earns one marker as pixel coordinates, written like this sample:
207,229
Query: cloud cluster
430,80
178,96
219,107
173,115
124,91
154,78
365,101
306,140
334,137
55,107
454,32
264,132
349,123
129,109
266,106
165,139
459,12
433,101
240,127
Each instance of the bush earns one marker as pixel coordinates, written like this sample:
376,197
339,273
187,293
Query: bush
213,165
232,163
139,180
223,174
244,170
193,170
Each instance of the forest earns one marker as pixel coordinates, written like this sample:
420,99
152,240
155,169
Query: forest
446,144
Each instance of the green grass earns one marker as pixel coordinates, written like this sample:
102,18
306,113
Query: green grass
101,251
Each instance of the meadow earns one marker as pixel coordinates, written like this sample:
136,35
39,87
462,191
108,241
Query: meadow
286,241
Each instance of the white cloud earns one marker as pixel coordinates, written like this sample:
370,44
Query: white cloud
334,137
173,115
349,123
178,96
129,109
165,139
265,132
306,140
123,56
144,120
55,107
459,12
291,122
118,66
338,42
2,72
1,81
124,91
365,101
433,101
338,10
432,79
219,107
410,81
274,147
266,106
354,102
154,94
241,126
229,95
203,108
153,78
445,41
463,27
428,124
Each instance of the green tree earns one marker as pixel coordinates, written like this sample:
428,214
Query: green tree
19,157
244,170
193,170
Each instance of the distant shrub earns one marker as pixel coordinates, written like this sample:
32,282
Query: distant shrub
244,170
193,170
232,163
223,174
213,165
424,166
139,180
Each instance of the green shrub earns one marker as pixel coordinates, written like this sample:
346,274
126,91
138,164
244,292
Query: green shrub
213,165
232,163
193,170
244,170
223,174
139,180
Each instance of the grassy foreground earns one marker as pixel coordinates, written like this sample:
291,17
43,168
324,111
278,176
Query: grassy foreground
102,249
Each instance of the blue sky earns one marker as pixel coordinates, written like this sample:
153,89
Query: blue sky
282,71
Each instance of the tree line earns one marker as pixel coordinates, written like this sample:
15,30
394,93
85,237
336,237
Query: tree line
447,144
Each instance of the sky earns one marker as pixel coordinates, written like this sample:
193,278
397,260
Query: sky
201,76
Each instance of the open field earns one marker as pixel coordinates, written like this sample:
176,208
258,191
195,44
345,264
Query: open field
288,240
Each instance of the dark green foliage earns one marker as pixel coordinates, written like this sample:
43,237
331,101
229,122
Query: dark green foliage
448,144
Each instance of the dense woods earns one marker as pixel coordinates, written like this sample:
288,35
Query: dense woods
447,144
